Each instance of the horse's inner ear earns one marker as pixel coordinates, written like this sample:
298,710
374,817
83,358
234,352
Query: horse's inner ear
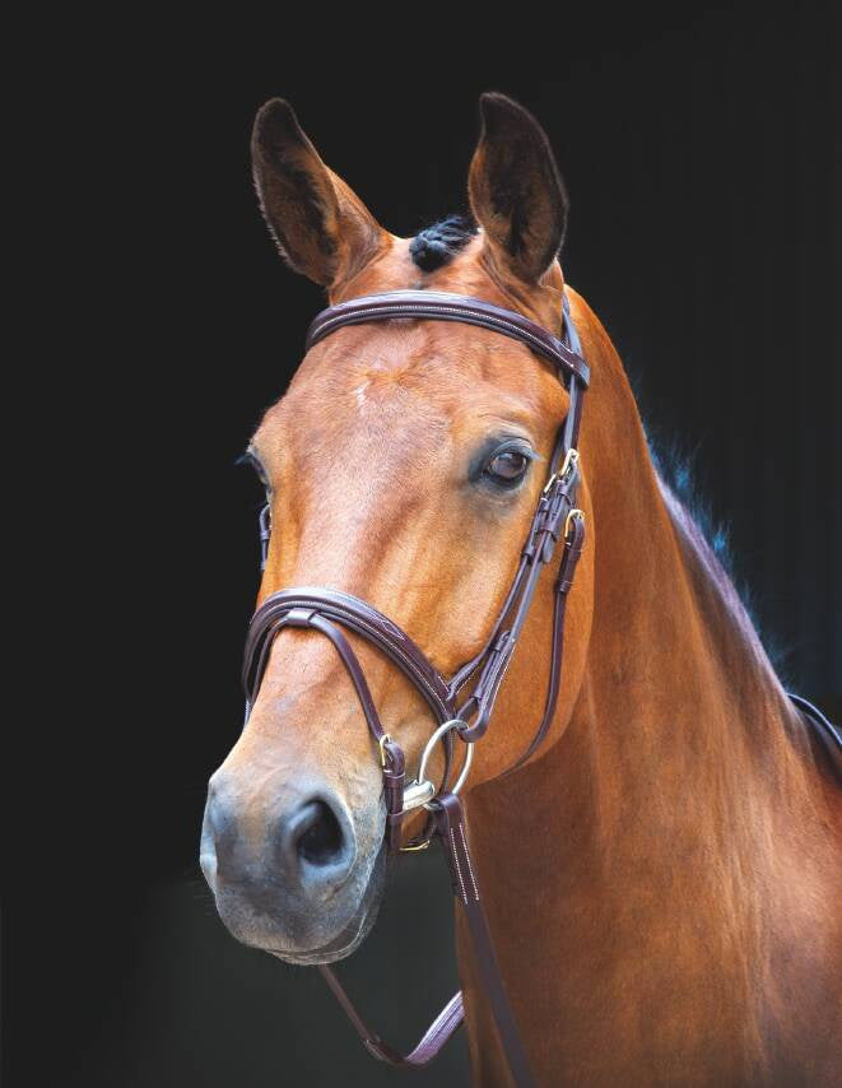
322,228
516,193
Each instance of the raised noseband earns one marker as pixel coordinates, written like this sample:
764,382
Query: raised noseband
322,610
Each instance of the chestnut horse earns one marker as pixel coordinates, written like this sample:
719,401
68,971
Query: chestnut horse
663,879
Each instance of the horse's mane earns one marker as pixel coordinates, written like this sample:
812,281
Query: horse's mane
674,467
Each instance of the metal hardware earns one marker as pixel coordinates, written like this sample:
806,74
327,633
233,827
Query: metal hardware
380,744
418,793
574,513
413,848
571,460
445,727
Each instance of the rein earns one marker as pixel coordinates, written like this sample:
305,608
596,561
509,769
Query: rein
463,705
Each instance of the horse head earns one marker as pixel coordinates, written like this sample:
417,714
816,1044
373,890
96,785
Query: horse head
402,466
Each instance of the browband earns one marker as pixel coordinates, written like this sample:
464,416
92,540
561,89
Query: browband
444,306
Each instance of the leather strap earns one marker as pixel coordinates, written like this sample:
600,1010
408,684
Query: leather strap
428,1047
294,608
450,830
573,545
358,616
554,518
444,306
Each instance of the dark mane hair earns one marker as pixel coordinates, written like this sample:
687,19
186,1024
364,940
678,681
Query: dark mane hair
437,245
674,467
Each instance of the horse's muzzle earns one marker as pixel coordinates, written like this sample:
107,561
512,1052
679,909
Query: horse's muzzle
286,877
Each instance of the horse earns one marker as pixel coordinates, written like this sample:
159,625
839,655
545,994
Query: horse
662,877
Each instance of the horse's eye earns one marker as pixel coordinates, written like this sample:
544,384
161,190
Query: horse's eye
508,467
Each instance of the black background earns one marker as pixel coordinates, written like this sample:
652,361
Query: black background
701,151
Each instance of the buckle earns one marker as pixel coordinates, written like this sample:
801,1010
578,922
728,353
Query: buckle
575,515
565,473
415,847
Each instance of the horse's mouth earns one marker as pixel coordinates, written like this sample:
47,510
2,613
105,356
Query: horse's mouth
354,932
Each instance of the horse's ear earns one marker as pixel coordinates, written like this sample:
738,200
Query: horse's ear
516,192
322,228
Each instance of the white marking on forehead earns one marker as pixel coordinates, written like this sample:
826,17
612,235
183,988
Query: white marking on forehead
359,393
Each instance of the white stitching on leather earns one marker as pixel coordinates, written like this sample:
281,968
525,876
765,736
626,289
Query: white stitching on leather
468,862
458,866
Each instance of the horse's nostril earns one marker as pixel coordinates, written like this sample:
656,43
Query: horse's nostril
319,838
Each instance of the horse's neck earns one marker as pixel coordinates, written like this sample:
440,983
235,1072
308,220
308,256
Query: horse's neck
679,700
678,697
680,707
660,801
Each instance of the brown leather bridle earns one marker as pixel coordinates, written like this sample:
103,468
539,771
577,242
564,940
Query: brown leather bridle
556,521
463,704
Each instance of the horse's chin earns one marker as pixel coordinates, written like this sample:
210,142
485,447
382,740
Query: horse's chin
344,945
352,934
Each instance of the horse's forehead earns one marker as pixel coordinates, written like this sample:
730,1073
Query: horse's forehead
419,377
405,383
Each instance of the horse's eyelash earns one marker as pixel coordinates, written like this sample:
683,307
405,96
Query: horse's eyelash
517,446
